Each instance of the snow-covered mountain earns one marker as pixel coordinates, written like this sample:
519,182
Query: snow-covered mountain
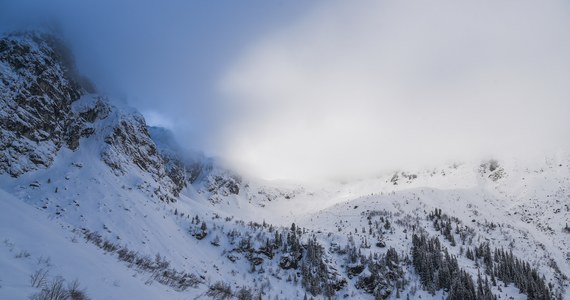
90,192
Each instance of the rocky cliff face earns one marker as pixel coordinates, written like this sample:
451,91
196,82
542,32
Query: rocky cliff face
47,106
128,145
185,168
37,87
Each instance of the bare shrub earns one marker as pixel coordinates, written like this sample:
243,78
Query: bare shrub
244,294
75,292
220,291
38,278
55,290
23,254
159,267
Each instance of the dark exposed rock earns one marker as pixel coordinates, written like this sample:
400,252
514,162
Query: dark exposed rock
494,170
289,262
355,270
200,235
45,107
183,167
129,144
130,137
224,184
80,125
37,87
375,285
256,260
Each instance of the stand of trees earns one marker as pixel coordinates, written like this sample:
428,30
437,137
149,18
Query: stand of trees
438,269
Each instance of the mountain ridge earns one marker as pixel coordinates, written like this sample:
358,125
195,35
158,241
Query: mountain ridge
108,186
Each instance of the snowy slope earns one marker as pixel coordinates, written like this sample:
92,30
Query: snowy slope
32,241
162,231
109,201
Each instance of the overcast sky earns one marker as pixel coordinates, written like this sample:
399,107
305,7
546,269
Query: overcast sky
325,89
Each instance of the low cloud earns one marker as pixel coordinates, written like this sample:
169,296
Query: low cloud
358,88
162,57
329,89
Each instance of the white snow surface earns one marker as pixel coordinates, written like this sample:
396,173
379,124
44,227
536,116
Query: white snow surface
42,214
117,184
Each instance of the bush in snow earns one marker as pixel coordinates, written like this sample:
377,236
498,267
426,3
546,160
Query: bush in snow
38,278
56,290
220,291
244,294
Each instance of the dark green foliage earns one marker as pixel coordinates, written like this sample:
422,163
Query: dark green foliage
510,269
462,287
439,270
317,278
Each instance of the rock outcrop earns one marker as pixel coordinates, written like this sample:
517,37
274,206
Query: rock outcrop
38,84
46,105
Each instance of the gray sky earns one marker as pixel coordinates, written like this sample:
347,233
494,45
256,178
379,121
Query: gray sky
163,57
359,87
304,90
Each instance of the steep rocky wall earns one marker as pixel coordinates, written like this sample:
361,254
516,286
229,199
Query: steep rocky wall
41,112
37,88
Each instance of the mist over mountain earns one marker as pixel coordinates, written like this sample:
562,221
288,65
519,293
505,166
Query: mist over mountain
329,89
421,150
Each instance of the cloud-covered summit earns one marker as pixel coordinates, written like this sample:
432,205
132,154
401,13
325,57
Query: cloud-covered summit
305,90
357,88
